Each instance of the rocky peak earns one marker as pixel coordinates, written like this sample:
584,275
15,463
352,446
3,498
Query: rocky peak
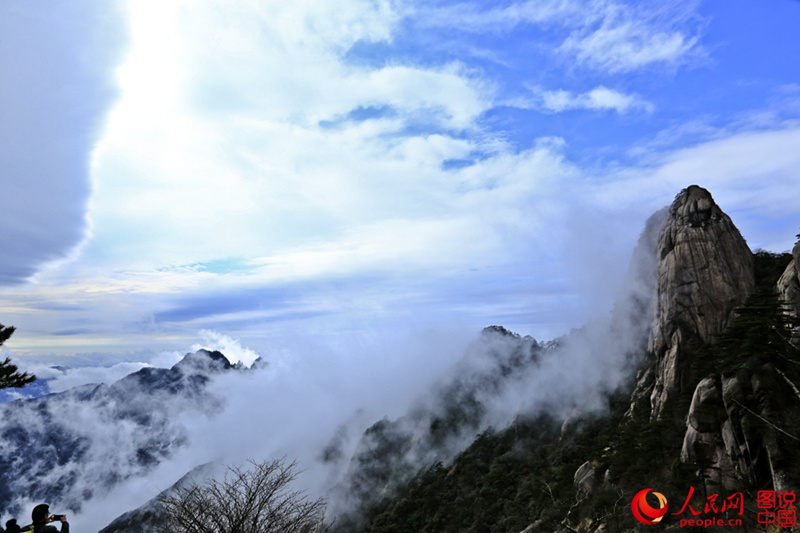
694,207
704,272
204,361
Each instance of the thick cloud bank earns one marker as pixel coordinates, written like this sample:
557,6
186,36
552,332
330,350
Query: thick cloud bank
54,92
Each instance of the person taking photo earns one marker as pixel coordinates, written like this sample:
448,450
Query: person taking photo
41,519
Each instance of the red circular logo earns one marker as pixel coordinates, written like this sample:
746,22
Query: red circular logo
644,512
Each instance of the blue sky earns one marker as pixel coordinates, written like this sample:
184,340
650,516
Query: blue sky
180,172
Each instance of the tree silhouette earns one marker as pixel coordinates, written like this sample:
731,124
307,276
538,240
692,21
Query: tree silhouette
254,499
10,377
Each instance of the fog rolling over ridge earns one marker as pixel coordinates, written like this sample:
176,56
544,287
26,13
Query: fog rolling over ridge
98,451
504,376
72,447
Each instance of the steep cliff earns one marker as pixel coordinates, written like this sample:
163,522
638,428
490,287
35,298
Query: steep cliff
705,271
789,282
723,370
742,423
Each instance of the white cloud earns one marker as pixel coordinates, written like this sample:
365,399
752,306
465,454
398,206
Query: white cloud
75,377
609,35
629,46
225,150
247,133
600,98
471,17
54,90
232,348
752,175
532,209
624,37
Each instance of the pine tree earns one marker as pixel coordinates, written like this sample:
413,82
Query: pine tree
760,332
10,377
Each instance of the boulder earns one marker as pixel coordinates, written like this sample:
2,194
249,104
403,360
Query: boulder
707,410
704,443
789,282
587,478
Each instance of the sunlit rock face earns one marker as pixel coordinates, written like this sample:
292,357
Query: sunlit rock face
789,282
705,271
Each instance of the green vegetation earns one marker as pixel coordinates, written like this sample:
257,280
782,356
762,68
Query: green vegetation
507,480
760,332
10,377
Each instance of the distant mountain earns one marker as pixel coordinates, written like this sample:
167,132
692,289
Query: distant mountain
38,388
437,428
55,448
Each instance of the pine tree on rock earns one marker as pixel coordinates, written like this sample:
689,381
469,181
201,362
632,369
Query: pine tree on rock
10,376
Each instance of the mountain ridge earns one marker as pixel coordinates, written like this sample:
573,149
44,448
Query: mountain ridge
47,450
714,404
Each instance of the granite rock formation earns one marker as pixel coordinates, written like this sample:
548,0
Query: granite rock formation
789,282
705,271
734,429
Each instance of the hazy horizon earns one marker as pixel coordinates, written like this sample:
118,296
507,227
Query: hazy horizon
264,171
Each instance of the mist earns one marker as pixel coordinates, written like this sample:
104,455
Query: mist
179,179
290,403
503,377
312,400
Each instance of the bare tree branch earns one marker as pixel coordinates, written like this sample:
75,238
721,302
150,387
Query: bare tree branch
790,383
773,426
256,498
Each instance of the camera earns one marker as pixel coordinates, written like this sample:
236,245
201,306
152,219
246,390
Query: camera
57,517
